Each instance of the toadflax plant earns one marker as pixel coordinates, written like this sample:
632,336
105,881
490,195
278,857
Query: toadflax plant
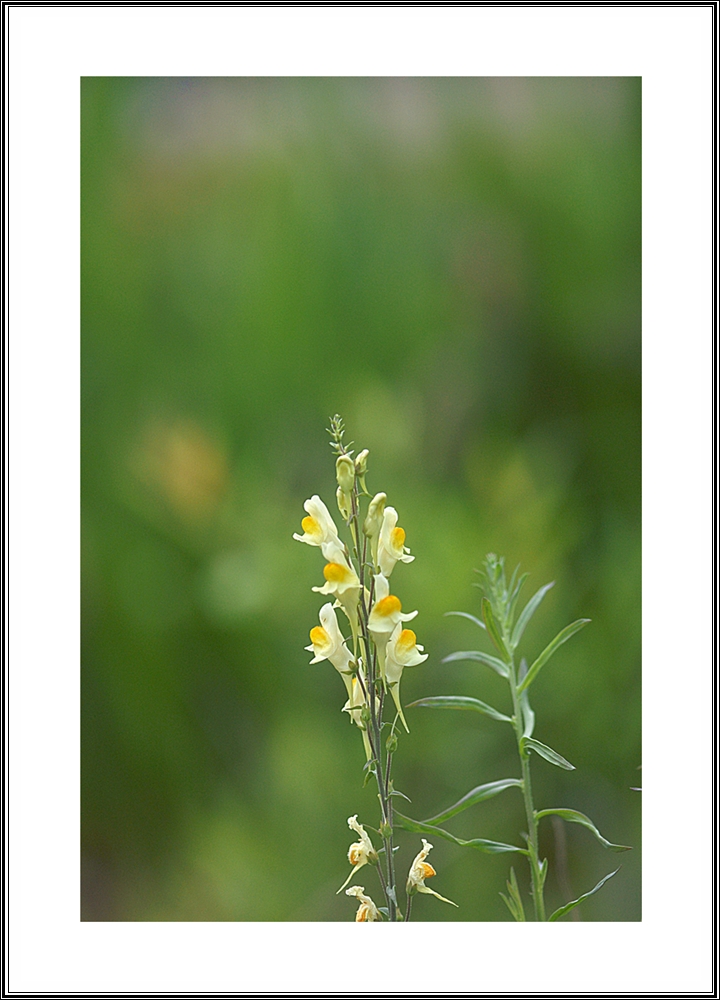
370,660
499,605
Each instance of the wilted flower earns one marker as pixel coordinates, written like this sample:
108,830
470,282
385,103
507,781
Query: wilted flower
401,651
360,853
354,706
419,871
391,544
367,909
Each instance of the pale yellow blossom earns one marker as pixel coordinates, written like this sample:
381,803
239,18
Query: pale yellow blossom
367,909
319,529
328,643
361,852
401,651
391,543
419,871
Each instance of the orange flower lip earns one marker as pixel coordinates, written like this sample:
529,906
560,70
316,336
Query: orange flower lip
310,526
389,605
335,573
406,640
319,637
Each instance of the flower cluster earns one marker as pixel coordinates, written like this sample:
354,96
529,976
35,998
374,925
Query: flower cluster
372,657
360,585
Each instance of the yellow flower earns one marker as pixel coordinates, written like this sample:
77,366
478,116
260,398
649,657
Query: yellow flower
340,578
419,871
319,528
401,651
360,853
391,544
386,611
367,909
328,643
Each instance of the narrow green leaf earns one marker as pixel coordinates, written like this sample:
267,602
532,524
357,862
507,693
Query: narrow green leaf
527,612
559,639
571,906
573,816
527,713
478,794
543,866
460,701
512,603
464,614
401,794
493,629
548,753
475,654
511,906
514,894
487,846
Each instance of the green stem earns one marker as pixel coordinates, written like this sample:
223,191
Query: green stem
536,875
382,774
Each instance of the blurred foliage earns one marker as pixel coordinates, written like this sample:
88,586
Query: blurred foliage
454,266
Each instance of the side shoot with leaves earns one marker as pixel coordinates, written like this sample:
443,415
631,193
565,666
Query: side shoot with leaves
498,609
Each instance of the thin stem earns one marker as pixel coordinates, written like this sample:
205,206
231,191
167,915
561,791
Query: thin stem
376,705
536,874
409,908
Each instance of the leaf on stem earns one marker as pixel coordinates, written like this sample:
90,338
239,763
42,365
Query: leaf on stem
487,846
527,713
559,639
459,701
573,816
475,654
548,753
478,794
512,603
527,612
513,900
493,630
571,906
464,614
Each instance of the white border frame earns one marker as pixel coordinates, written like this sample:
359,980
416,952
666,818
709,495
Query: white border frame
50,48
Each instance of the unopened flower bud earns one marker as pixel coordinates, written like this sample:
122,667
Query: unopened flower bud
361,468
345,472
344,503
374,519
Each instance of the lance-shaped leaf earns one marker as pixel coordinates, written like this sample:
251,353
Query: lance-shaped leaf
571,906
487,846
573,816
559,639
527,612
527,713
514,594
493,629
513,900
478,794
460,701
464,614
475,654
548,753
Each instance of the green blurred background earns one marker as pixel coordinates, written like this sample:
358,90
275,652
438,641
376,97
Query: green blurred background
454,266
